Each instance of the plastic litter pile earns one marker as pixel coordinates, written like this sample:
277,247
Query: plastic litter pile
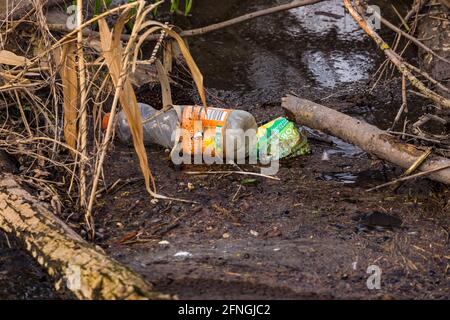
207,131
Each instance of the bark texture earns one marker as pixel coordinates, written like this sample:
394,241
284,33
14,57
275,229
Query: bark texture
74,263
367,137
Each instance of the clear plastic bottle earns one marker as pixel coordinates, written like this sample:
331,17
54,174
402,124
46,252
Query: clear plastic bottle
219,126
158,130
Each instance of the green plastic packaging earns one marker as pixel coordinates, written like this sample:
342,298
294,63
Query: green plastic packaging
292,141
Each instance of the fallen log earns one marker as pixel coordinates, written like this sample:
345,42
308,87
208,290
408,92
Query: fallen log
369,138
73,262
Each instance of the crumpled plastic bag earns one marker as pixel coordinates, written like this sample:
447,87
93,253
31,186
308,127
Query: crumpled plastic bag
292,141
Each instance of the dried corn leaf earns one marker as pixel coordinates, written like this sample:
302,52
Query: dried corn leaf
11,59
69,79
165,85
195,71
113,54
168,57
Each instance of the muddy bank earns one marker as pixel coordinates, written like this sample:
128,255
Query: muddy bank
297,238
303,237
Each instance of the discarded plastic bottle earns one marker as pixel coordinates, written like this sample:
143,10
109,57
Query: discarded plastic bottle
157,130
212,128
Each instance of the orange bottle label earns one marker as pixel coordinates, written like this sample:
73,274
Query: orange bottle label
203,130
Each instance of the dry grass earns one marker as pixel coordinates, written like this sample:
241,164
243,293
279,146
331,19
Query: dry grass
53,92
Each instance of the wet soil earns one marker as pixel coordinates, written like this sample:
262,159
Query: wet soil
303,236
294,238
20,277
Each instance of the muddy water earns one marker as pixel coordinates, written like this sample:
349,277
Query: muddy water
311,49
316,51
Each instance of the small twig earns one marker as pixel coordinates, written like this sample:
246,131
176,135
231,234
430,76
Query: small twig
415,136
417,175
158,113
428,77
427,117
418,162
395,58
415,9
7,240
236,194
418,94
404,22
233,172
404,106
21,8
22,19
409,37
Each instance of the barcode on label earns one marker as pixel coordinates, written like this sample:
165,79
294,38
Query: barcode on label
215,114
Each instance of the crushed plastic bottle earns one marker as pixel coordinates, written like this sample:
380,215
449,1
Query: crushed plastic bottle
213,128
